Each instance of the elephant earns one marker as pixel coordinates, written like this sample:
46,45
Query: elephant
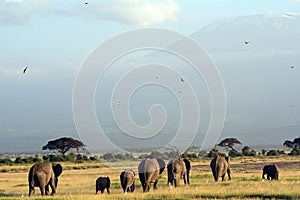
43,175
178,168
149,172
219,166
127,179
102,183
272,172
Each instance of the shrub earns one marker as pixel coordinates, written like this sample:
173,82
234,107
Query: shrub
232,153
143,156
156,154
263,152
294,152
213,153
120,157
6,161
273,153
247,151
108,156
18,160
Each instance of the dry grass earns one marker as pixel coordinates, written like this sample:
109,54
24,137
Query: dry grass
78,182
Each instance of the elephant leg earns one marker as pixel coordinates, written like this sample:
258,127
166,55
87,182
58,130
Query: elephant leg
42,189
268,177
216,175
229,174
52,185
102,190
155,184
47,189
31,190
107,189
223,177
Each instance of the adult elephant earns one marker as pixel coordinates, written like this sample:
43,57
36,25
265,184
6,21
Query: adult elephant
149,172
43,175
219,167
177,169
127,179
272,172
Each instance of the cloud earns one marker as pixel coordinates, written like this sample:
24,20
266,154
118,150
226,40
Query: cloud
19,11
135,12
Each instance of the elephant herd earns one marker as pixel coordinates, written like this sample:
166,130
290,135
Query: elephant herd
45,175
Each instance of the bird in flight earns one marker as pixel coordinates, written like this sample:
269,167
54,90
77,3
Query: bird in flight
182,80
24,70
246,42
292,67
86,3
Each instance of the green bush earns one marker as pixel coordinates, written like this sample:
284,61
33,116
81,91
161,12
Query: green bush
247,151
232,153
273,153
108,156
156,154
294,152
213,153
6,161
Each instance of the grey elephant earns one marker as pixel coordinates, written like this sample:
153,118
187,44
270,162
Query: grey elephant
177,169
103,183
43,175
127,179
272,172
149,172
219,167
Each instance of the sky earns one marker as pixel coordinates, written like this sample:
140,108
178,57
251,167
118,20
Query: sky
53,38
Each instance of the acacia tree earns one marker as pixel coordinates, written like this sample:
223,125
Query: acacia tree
295,144
229,142
64,144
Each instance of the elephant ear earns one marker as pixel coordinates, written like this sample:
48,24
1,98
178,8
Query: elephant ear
187,164
122,175
57,170
108,181
161,164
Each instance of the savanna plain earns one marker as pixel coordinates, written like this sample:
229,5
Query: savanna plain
78,181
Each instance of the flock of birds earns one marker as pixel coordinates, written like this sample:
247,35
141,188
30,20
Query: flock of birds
246,43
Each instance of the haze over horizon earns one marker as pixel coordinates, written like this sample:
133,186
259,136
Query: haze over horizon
53,39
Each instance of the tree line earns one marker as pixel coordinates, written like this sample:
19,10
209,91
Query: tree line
61,146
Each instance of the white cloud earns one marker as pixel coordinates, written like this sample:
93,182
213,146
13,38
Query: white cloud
136,12
19,11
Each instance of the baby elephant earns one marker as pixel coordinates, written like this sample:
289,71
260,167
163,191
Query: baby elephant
102,183
272,172
127,179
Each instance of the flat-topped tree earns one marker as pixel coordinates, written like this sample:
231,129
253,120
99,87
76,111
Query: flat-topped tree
292,144
229,142
64,144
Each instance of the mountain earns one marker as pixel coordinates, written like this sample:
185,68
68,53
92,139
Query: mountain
261,78
264,31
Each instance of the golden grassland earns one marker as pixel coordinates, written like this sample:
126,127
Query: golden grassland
78,181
